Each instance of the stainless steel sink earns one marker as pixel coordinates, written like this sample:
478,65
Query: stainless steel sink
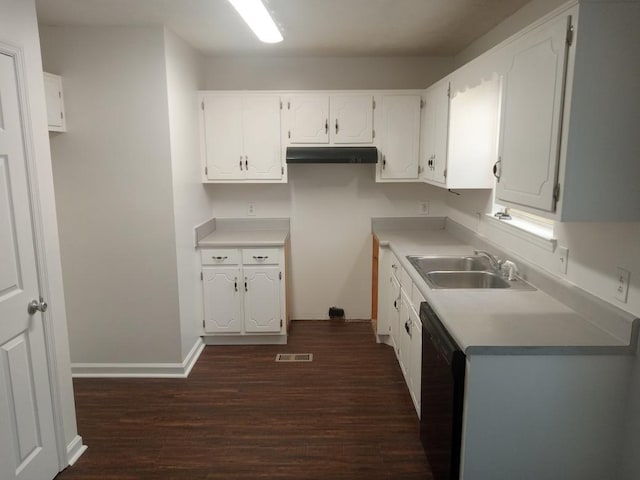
466,280
450,263
471,271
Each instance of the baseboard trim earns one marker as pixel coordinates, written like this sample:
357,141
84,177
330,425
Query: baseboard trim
245,339
75,449
140,370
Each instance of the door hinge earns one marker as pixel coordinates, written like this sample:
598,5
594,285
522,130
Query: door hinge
374,103
280,104
203,326
201,276
206,170
289,134
280,323
419,170
202,105
288,105
59,94
556,192
445,173
280,275
282,170
61,115
449,91
373,133
422,104
570,33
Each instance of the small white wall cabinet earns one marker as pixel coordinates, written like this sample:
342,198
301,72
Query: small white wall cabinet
243,291
399,140
460,132
241,138
568,143
55,103
339,119
435,133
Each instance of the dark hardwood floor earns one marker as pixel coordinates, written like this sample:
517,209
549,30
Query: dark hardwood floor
241,415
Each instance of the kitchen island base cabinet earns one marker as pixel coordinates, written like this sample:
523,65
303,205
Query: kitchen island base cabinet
244,296
543,416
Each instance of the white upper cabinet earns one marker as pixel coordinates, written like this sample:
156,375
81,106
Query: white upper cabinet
435,133
241,138
569,143
399,140
351,118
531,116
308,117
337,119
55,103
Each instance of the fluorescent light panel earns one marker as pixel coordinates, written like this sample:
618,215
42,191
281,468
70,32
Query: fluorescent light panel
254,13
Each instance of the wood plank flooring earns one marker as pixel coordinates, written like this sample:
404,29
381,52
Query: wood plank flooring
240,415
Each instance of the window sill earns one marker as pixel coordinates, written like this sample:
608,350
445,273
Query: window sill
532,233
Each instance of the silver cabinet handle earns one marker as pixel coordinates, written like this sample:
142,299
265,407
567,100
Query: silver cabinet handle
336,125
246,162
496,168
260,258
245,285
326,126
220,258
240,162
37,306
235,283
384,162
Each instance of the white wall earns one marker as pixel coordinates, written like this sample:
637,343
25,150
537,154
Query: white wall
113,180
324,73
191,204
330,206
18,27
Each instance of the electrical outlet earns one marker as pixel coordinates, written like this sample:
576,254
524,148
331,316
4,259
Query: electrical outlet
423,208
622,287
251,209
563,258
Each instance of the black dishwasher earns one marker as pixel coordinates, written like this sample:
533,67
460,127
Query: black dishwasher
443,370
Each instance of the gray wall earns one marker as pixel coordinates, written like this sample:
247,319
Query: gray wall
112,175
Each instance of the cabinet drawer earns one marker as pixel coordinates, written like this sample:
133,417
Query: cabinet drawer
261,256
220,256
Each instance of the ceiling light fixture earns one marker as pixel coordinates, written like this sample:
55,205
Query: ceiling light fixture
254,13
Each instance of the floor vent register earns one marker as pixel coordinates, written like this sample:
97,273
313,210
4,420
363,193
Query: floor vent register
294,357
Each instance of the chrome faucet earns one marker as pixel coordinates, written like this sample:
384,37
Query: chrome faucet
495,262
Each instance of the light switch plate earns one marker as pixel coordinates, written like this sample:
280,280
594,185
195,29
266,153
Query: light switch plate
563,259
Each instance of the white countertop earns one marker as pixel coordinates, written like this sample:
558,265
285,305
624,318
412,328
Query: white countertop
499,321
244,238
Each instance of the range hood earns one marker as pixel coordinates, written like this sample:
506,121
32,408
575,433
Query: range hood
332,155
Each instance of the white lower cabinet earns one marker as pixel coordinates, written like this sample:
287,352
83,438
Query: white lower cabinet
243,292
399,322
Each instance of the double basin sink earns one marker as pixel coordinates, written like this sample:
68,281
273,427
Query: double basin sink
472,271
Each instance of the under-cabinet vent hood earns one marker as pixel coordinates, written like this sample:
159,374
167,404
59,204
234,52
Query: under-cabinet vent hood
332,155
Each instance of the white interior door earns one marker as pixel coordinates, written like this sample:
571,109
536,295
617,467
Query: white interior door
27,436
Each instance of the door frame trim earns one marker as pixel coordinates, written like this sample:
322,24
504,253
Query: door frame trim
48,318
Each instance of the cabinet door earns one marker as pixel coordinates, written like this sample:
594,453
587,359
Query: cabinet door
308,117
400,131
351,119
223,137
262,310
404,328
261,138
437,115
222,305
531,116
394,310
55,102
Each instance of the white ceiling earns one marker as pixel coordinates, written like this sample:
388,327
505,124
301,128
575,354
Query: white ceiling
310,27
